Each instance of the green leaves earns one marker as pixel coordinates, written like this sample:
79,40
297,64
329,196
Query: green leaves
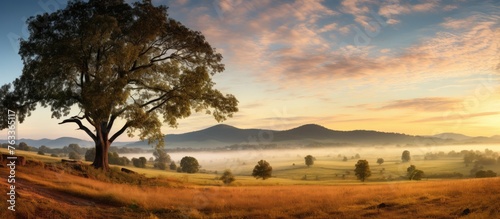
189,165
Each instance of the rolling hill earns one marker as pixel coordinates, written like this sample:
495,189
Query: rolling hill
310,134
306,135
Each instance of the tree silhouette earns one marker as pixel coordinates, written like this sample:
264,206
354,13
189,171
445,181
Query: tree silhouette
362,170
90,154
262,170
75,156
309,160
116,61
380,161
139,162
405,157
227,177
161,159
413,173
173,166
189,165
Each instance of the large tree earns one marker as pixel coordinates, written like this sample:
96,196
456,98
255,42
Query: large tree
115,61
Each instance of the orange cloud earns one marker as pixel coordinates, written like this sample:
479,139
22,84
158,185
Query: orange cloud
283,44
428,104
456,117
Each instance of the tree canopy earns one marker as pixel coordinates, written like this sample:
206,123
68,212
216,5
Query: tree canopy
161,159
414,173
309,159
189,165
405,156
262,170
380,161
115,61
362,170
227,177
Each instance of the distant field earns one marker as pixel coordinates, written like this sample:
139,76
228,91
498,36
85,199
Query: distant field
43,193
289,167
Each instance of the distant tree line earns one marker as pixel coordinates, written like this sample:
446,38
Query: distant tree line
64,151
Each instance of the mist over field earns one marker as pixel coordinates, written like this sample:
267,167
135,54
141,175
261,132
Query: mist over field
241,161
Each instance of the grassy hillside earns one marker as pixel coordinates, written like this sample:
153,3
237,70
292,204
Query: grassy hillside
52,190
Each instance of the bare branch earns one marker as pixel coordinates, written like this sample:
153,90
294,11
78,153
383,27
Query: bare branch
113,118
119,132
81,126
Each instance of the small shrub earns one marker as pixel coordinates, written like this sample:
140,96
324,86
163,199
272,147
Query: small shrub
173,166
41,153
380,161
161,166
75,156
485,174
413,173
54,155
227,177
139,162
309,160
90,154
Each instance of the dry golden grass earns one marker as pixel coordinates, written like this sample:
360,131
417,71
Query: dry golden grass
62,195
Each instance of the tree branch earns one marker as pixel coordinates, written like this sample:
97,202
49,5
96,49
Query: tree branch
81,126
161,104
113,118
119,132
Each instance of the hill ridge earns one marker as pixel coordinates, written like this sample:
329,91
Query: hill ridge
222,135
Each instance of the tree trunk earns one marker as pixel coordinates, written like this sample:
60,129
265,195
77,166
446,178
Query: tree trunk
101,148
101,155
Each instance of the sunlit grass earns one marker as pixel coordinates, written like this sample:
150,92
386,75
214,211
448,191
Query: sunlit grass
285,195
421,199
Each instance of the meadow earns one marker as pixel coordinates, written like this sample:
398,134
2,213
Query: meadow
48,192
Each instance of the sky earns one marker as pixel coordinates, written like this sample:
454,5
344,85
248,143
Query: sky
407,66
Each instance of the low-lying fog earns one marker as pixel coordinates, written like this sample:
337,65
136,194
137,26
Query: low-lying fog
220,160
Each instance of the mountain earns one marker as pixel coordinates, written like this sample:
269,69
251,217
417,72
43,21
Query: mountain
310,134
215,136
306,135
453,136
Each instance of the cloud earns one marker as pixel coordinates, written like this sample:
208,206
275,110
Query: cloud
359,9
450,7
328,28
426,6
455,117
428,104
365,10
385,50
285,43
